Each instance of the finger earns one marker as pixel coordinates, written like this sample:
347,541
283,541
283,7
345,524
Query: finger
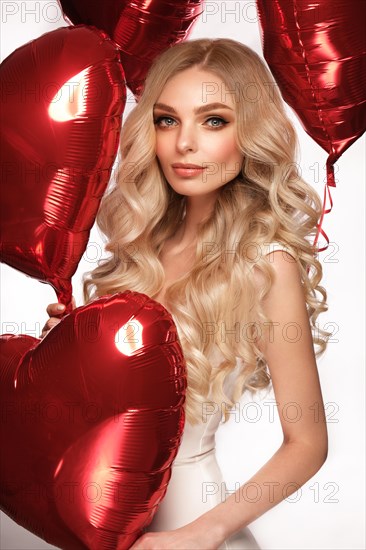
73,302
52,321
55,309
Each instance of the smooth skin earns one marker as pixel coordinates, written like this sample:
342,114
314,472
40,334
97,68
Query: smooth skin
200,138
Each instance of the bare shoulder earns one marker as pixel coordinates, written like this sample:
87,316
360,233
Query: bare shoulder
285,306
286,272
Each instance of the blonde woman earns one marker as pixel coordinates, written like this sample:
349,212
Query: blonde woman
210,218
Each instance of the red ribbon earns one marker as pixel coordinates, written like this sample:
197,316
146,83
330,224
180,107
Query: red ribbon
329,183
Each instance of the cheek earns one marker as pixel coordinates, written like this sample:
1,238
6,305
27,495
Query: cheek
162,149
157,148
228,152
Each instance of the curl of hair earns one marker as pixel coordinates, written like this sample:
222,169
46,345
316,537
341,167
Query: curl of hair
268,201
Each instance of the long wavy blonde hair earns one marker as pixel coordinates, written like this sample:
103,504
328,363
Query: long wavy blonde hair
268,201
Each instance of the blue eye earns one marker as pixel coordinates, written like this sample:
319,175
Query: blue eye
160,118
223,122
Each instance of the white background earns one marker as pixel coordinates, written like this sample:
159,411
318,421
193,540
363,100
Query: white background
328,511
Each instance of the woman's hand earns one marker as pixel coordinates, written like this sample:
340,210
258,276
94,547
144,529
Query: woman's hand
54,310
189,537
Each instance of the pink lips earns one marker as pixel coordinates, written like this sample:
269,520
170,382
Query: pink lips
187,169
185,165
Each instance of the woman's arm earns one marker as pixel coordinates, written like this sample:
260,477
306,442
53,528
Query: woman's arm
289,351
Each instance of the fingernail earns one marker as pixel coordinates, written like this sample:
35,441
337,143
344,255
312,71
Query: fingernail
60,307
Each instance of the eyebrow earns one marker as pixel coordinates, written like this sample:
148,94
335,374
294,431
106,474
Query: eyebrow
197,110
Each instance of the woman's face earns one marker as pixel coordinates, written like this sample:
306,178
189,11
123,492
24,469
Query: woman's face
195,123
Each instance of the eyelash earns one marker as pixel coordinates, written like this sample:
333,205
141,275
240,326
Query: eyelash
224,122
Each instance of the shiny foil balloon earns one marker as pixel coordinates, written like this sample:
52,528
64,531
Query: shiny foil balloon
91,421
63,96
141,29
316,52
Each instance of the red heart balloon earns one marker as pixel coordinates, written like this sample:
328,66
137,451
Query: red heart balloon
316,52
91,421
141,29
63,97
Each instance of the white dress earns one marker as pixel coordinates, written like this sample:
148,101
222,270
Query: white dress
196,484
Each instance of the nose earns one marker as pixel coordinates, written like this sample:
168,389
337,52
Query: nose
186,138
